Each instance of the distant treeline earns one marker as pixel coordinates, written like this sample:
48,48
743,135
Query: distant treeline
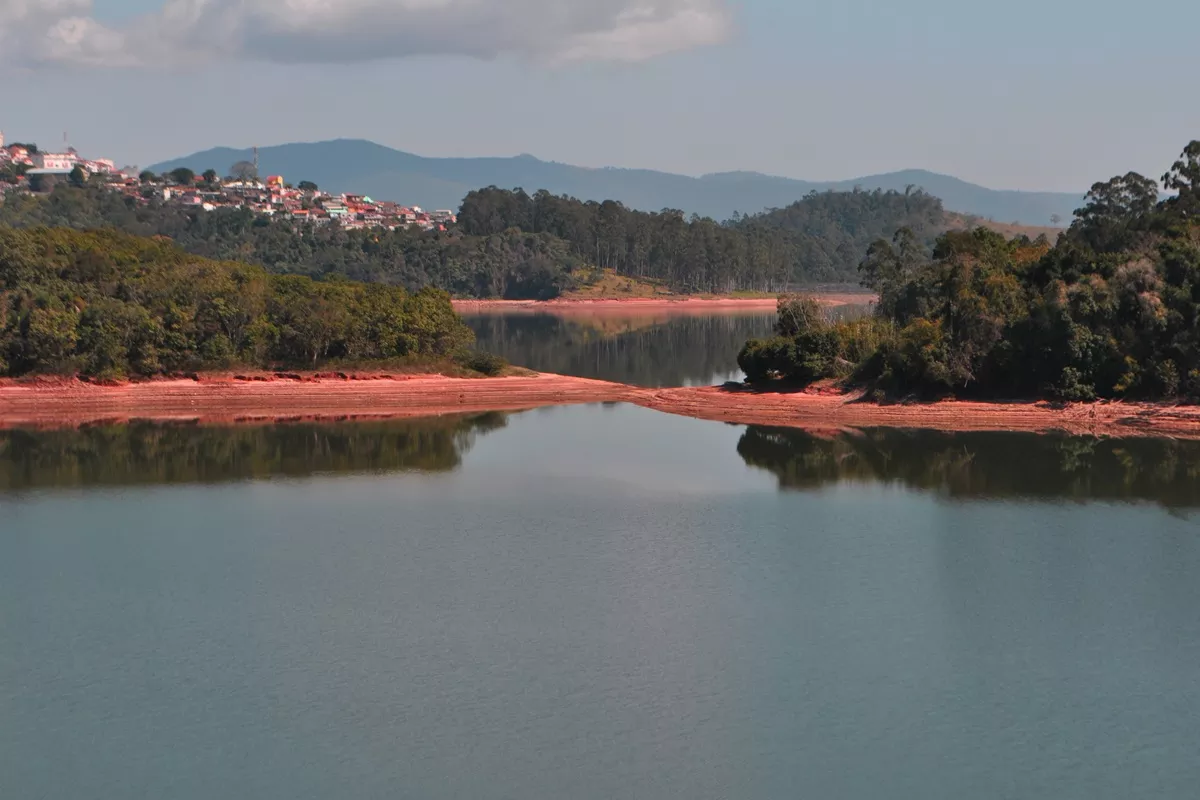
818,239
104,303
510,244
1111,310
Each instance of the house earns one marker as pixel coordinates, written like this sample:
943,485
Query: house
64,162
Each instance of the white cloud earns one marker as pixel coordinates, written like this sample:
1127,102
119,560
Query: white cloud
65,32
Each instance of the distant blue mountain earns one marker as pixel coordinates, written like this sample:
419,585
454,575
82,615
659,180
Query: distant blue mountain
353,165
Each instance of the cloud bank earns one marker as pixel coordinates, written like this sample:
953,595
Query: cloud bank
36,33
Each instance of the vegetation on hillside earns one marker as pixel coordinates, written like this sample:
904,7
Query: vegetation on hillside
818,239
1111,311
512,245
510,264
102,303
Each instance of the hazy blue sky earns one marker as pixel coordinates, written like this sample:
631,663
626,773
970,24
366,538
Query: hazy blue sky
1034,94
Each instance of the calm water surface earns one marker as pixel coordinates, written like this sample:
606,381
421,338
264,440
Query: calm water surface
641,349
596,602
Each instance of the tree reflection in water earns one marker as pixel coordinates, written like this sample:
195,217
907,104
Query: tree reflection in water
983,465
147,453
639,350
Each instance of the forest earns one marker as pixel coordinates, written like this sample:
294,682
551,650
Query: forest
1112,310
819,239
113,305
509,244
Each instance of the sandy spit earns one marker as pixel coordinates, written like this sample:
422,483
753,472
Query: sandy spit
830,409
364,396
265,398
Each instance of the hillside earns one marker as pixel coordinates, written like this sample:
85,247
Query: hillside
516,246
350,165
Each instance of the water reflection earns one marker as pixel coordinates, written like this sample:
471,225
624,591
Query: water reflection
984,465
664,349
146,453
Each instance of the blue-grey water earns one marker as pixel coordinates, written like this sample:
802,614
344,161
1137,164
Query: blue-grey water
596,602
643,349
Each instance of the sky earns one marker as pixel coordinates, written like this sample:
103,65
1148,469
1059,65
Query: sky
1027,94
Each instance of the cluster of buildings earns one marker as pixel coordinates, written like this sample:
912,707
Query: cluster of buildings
37,162
273,197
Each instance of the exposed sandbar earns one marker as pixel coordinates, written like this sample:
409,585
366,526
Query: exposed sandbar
268,397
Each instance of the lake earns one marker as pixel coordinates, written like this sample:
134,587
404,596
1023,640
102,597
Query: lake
638,348
596,602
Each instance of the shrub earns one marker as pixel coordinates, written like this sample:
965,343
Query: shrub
483,363
764,359
1074,387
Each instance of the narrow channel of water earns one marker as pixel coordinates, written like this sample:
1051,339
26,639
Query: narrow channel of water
643,350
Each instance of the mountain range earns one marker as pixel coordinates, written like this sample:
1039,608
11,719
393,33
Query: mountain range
363,167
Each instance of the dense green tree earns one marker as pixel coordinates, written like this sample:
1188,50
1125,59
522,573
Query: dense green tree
1184,178
1112,310
182,176
78,177
307,186
1114,212
110,304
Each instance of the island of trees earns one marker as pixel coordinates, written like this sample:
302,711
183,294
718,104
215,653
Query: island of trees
108,304
1112,310
509,244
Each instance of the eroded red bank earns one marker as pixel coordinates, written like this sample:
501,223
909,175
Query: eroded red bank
266,398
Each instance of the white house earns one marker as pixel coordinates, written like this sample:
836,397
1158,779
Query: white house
55,161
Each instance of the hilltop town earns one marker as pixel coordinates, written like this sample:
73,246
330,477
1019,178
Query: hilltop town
26,168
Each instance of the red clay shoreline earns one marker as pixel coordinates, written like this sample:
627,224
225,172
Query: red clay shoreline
266,398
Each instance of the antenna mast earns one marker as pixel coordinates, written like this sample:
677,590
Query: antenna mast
256,162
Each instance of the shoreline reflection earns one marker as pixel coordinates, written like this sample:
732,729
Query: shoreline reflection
984,465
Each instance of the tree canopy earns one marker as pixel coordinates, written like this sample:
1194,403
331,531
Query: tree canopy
1112,310
821,238
103,303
